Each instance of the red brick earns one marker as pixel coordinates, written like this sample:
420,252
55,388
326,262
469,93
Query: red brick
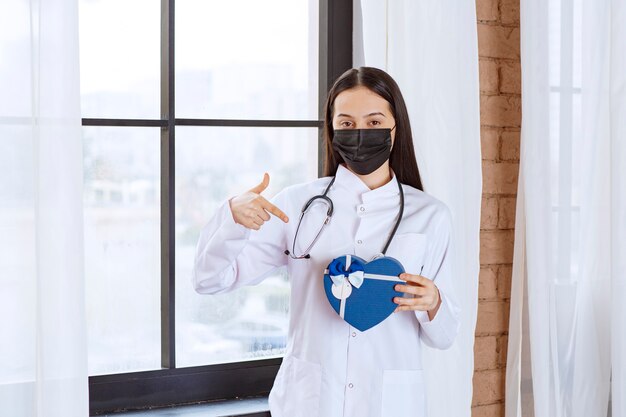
505,275
510,145
486,352
488,387
490,143
487,10
510,77
509,12
488,283
489,76
506,213
502,111
488,410
502,346
500,177
489,213
493,317
498,41
496,247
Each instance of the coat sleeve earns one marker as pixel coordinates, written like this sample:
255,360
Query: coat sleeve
442,330
229,255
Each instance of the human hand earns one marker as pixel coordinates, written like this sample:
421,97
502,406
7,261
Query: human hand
251,210
426,294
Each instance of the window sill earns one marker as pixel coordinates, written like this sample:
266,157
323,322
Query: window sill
249,407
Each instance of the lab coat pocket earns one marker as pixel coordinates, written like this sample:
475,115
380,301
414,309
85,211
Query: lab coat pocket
410,250
297,388
403,394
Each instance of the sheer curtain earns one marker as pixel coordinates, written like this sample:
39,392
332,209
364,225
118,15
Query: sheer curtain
567,336
430,48
43,357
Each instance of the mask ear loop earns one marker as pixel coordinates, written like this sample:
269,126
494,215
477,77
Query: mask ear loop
390,130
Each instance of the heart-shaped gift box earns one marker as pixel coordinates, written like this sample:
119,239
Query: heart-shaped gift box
362,292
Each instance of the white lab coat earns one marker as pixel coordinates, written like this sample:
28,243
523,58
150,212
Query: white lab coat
331,369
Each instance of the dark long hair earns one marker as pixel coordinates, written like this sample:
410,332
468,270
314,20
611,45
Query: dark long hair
402,159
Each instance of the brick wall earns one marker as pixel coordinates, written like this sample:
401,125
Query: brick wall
500,119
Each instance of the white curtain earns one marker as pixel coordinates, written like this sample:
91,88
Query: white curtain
43,353
567,336
430,49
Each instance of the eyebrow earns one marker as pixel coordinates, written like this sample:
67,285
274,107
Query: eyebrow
367,115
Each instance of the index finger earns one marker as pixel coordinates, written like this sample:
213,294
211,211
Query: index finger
418,279
273,209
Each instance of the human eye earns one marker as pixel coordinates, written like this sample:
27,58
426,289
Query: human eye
375,123
345,123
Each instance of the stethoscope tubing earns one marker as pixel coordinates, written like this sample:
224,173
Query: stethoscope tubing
329,213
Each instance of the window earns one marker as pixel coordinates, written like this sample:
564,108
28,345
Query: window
179,101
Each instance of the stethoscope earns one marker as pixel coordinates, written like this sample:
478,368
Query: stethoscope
329,213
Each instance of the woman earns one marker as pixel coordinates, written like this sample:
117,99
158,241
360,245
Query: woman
331,369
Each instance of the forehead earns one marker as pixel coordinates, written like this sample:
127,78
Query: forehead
359,101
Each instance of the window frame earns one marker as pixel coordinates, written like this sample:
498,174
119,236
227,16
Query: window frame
171,385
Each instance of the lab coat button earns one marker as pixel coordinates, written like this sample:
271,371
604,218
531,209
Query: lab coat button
359,241
350,385
353,334
362,208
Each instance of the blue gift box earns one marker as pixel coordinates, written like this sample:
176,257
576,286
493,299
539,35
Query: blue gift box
362,292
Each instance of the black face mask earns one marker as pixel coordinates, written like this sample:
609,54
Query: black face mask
363,150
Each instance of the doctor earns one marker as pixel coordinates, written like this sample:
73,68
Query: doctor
331,369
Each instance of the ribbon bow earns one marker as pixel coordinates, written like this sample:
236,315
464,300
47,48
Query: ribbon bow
355,278
344,268
345,274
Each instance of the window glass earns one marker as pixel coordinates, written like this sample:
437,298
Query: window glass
247,59
213,164
120,58
122,248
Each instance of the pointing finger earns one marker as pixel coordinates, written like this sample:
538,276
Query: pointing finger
274,210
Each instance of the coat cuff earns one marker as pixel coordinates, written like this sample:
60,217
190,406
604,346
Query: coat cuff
233,229
443,327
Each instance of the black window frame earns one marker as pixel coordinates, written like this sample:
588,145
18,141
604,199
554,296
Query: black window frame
171,385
